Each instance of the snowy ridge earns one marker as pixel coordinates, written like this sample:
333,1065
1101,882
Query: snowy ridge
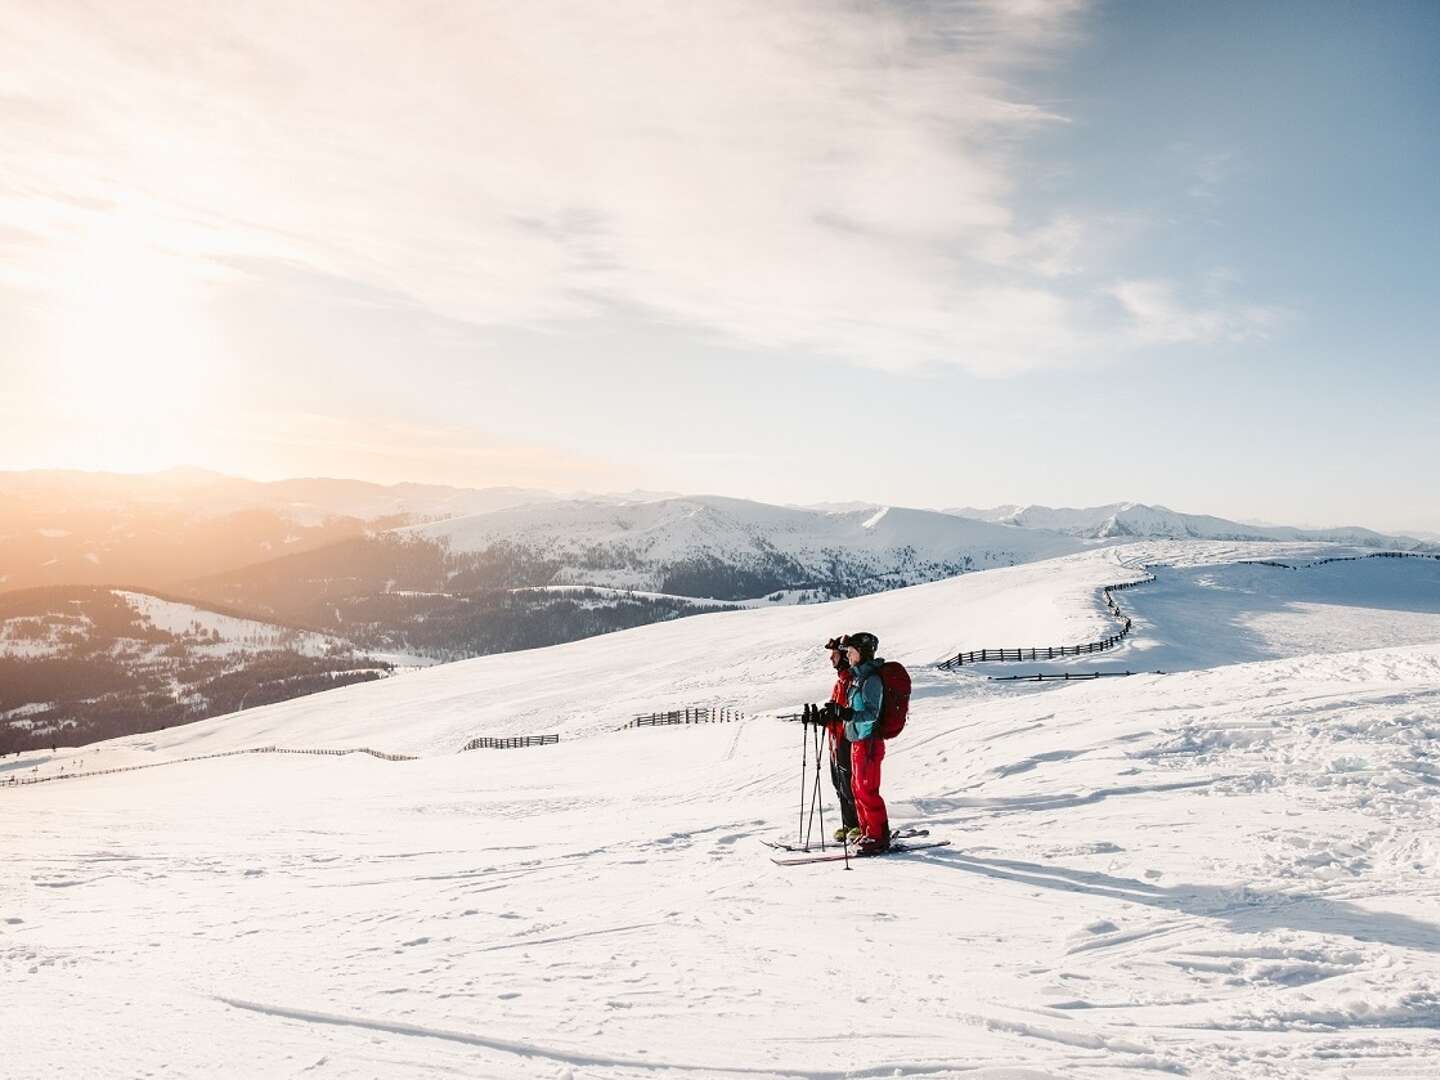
1137,520
1051,652
640,546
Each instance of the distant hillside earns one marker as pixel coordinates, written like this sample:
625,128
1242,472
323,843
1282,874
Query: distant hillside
395,591
564,570
78,664
733,549
155,530
1139,521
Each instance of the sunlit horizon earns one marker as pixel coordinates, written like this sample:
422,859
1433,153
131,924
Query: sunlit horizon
927,256
182,474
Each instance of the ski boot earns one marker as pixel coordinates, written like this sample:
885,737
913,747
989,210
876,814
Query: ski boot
873,845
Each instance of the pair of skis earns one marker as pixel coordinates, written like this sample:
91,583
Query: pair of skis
901,841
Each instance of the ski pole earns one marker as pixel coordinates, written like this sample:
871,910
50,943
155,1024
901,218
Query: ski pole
814,787
814,794
845,842
819,735
804,760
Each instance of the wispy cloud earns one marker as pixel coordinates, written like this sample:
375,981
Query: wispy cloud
1158,317
816,175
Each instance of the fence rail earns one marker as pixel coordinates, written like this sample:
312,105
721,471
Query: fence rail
1337,558
694,714
510,742
1050,652
1069,676
17,781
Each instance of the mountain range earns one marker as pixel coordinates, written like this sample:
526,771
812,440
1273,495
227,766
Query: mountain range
733,549
1132,520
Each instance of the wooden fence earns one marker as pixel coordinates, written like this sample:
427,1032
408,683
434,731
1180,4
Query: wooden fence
1338,558
510,743
1070,676
16,781
1050,652
694,714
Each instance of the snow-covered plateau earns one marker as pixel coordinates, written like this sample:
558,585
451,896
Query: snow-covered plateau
1225,870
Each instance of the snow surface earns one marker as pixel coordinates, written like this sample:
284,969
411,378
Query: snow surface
1223,872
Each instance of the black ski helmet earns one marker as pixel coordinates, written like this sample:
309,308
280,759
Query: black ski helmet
864,641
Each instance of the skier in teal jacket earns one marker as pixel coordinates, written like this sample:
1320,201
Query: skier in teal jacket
867,749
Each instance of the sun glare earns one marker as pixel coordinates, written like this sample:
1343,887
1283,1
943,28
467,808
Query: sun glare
136,351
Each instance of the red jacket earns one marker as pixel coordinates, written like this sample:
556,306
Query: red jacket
841,697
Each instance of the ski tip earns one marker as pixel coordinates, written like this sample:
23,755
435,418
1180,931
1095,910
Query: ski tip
896,849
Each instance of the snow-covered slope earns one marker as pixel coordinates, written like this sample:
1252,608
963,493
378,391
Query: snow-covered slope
1218,873
992,513
650,545
761,660
1121,520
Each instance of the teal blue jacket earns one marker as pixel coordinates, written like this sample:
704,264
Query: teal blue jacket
866,694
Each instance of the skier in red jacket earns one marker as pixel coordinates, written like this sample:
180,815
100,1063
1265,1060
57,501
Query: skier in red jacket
840,745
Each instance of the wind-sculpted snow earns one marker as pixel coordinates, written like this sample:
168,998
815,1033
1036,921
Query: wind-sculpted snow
1225,872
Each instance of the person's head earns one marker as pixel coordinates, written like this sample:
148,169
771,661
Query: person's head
838,659
860,647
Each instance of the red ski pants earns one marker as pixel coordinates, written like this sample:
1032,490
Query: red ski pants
865,758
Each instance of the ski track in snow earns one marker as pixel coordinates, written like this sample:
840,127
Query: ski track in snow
1229,871
531,1050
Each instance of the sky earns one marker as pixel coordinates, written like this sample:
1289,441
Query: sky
922,253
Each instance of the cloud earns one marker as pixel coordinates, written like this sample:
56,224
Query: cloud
1158,317
814,175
